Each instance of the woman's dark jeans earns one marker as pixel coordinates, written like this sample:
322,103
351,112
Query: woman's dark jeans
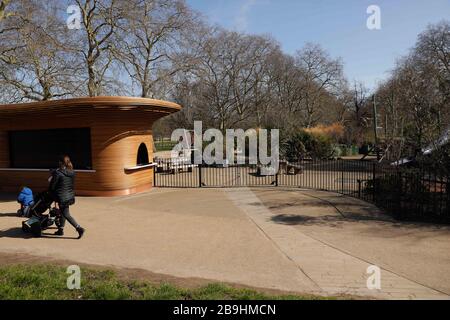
65,215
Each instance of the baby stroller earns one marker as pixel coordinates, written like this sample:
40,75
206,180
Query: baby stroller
40,221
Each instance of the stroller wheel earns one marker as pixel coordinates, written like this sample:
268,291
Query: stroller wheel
24,227
58,223
36,230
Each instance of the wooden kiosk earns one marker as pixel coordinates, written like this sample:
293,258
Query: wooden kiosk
108,138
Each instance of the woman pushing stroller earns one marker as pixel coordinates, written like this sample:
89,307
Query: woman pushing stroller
62,188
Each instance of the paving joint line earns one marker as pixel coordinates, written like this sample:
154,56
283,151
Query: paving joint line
359,258
278,247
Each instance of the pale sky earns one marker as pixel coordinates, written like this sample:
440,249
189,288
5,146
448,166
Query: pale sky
338,26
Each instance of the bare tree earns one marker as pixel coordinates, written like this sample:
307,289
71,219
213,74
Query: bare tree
3,12
321,75
342,105
412,102
232,77
44,68
247,81
416,98
261,96
360,99
248,76
286,90
225,78
150,42
359,112
7,28
216,86
433,46
99,19
432,54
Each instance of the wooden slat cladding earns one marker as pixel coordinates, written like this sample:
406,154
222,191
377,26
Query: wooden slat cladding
124,103
4,150
118,127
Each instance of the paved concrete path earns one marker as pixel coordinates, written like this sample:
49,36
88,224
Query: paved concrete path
333,270
291,240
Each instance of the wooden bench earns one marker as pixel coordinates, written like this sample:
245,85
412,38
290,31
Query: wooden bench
174,165
175,168
290,168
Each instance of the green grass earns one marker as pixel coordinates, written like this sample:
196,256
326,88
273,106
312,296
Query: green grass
48,282
164,145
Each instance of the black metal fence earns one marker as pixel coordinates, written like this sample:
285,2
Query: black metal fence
411,193
406,193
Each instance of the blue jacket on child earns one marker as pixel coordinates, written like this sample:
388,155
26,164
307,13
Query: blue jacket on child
26,197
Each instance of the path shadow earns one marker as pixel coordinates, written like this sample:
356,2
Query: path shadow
329,220
277,205
347,210
9,215
293,220
51,236
17,233
338,221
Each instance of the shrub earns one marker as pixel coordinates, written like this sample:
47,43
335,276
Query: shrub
438,160
303,144
335,132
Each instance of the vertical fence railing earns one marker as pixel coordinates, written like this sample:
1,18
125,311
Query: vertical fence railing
416,193
412,193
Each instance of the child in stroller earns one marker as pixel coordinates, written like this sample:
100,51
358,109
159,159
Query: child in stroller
26,201
38,220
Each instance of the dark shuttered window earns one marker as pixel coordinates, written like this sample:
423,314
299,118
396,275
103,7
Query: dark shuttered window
40,149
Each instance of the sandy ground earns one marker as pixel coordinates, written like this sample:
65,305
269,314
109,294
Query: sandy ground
207,235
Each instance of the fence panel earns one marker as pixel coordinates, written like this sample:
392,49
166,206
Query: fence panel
407,193
176,174
413,193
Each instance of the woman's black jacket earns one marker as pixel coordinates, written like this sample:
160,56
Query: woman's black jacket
62,186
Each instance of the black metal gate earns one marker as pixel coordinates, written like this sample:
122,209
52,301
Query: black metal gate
343,176
406,192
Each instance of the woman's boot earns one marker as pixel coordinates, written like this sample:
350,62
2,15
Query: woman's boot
80,232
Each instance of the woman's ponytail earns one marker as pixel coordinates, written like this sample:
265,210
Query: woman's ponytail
65,163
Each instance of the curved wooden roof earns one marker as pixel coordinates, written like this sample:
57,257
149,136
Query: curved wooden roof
119,103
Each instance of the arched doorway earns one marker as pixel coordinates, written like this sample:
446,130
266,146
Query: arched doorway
142,156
